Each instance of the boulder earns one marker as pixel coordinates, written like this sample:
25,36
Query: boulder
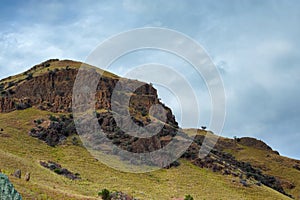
27,176
18,173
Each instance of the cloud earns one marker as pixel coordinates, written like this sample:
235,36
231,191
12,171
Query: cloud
254,44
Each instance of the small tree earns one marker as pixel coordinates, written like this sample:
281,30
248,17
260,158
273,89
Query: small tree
203,127
53,118
1,87
236,139
10,84
188,197
105,194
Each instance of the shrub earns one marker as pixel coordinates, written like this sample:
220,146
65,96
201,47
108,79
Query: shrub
1,87
75,141
297,167
11,92
53,118
29,76
144,112
10,84
105,194
175,164
3,93
51,73
39,121
237,139
244,183
57,171
116,141
188,197
21,106
60,93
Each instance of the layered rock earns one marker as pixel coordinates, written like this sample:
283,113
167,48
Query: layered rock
52,89
49,86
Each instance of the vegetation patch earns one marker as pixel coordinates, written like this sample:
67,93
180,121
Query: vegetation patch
55,131
107,195
220,161
57,168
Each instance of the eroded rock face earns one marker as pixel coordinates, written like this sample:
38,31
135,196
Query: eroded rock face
50,88
53,131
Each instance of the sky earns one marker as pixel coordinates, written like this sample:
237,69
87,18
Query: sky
254,44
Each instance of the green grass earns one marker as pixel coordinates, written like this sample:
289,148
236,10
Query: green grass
20,151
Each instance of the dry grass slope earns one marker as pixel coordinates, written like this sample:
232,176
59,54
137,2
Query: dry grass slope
20,151
271,164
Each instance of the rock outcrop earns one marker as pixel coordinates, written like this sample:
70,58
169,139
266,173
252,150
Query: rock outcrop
58,169
49,86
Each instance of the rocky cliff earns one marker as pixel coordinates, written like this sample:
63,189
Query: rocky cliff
49,86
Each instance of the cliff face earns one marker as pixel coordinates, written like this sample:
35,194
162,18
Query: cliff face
49,86
51,91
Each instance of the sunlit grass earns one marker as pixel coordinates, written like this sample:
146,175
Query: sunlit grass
20,151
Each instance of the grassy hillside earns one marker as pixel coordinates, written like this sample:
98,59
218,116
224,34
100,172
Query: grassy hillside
20,151
268,161
271,164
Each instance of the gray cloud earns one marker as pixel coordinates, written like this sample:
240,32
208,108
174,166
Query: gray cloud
255,45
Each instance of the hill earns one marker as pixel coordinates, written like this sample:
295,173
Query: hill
37,127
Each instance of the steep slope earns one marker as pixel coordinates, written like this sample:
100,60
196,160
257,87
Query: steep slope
39,136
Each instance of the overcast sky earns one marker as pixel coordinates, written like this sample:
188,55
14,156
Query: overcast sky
254,44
